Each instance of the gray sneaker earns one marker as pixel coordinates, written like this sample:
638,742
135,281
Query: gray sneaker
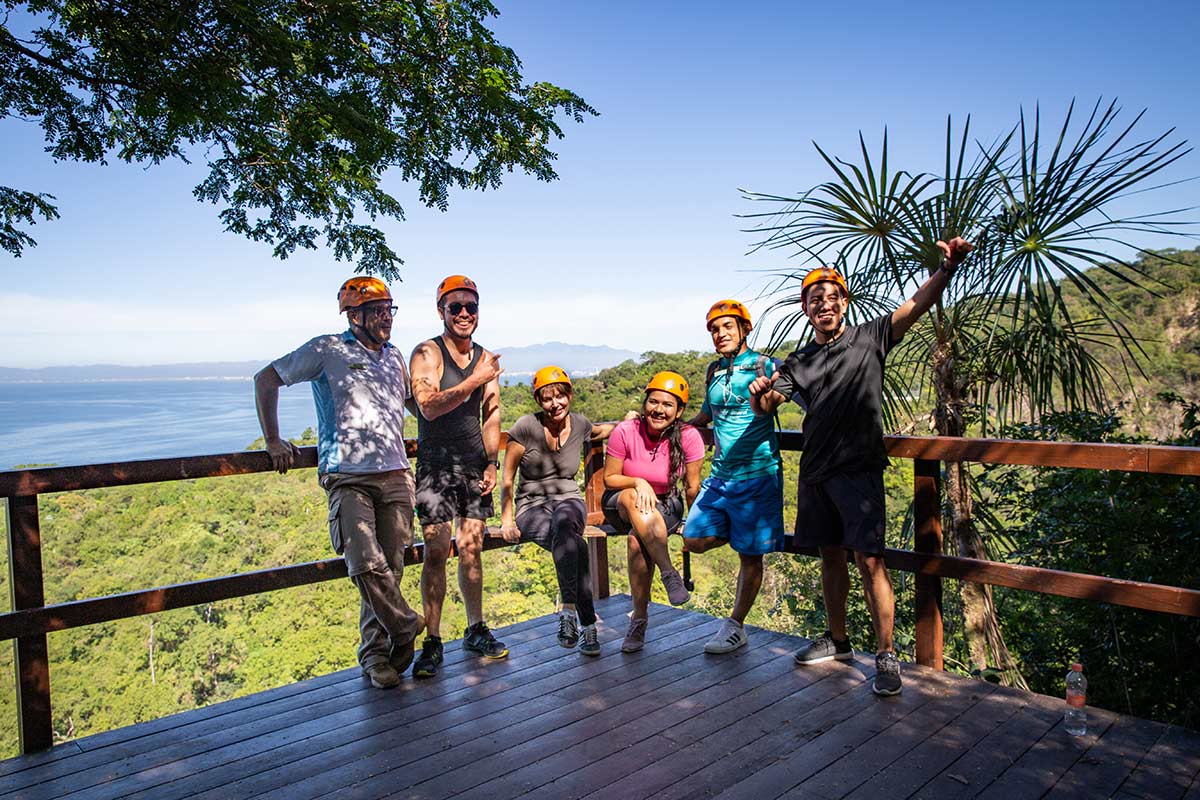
635,639
677,593
589,641
824,648
887,674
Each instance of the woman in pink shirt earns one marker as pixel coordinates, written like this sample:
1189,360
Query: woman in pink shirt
647,458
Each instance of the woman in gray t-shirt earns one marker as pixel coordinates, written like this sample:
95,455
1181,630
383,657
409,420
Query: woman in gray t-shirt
546,449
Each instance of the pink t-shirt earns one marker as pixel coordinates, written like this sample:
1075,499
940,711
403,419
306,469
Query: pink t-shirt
649,460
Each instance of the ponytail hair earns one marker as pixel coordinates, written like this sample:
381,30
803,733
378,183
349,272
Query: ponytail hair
674,436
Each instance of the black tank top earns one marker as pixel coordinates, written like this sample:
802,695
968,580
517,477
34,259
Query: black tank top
455,439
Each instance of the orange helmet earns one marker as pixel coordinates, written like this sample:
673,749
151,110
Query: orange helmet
455,282
822,274
548,376
728,308
671,383
357,291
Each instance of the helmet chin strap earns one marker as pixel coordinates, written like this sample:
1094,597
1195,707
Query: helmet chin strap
375,341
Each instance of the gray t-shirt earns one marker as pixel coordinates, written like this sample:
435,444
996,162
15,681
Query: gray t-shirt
548,476
840,386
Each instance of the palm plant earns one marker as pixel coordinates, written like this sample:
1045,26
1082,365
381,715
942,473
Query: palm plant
1001,346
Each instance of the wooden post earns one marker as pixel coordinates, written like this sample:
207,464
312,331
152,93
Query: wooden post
927,538
31,660
593,477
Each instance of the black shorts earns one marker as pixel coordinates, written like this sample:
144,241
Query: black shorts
670,506
445,494
845,509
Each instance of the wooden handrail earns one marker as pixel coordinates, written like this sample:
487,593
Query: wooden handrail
31,619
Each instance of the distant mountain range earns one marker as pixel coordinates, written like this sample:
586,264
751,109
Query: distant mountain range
519,363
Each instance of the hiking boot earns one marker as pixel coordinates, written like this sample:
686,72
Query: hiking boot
383,675
589,642
824,648
730,637
635,639
478,639
887,674
568,630
430,658
677,593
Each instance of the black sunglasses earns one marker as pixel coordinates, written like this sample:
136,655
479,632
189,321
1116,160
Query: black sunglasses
456,308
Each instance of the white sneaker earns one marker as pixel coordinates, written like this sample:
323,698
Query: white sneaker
730,637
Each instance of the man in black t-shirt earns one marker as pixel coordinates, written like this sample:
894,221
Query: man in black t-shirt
838,379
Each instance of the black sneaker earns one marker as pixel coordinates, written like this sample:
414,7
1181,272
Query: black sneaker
887,674
568,630
824,648
478,639
589,642
430,658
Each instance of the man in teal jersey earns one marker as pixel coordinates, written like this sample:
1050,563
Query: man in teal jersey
741,501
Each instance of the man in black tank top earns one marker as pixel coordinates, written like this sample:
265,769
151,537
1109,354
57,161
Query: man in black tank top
456,389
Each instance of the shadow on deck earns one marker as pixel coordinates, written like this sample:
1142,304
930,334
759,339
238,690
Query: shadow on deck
667,722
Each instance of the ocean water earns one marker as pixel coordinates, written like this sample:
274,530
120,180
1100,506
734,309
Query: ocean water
97,422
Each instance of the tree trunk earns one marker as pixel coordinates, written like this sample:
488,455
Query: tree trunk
985,640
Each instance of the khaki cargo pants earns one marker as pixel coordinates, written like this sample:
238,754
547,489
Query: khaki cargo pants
370,524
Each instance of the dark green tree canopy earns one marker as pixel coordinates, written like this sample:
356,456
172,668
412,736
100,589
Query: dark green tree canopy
298,108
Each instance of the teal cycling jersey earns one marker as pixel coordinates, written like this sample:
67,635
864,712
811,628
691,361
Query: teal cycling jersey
745,445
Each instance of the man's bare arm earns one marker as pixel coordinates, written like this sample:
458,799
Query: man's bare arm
426,364
491,432
266,401
924,298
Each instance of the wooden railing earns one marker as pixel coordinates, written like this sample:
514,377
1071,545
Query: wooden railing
31,619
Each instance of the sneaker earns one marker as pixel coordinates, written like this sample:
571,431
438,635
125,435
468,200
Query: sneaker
430,658
635,639
589,644
383,675
730,637
887,674
824,648
677,593
568,630
478,639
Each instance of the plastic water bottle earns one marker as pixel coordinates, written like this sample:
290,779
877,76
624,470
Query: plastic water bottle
1076,717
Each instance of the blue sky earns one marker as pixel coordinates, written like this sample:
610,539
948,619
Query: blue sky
639,235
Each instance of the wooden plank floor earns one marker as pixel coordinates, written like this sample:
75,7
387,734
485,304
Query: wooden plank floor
669,722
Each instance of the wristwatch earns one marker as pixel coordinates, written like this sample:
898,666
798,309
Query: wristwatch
495,462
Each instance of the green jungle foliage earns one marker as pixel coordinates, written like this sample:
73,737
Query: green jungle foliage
1138,527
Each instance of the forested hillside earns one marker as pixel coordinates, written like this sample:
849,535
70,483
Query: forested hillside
1138,527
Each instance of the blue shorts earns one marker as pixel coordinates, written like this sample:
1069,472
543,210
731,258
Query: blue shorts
748,513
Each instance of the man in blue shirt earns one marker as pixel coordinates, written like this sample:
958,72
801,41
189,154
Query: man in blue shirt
360,384
741,501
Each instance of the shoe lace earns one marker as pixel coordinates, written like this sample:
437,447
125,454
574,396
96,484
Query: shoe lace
887,662
482,631
566,626
429,648
590,636
637,628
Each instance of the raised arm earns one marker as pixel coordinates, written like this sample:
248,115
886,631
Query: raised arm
903,317
426,366
266,399
514,451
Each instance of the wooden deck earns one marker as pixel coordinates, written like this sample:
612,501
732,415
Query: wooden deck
668,722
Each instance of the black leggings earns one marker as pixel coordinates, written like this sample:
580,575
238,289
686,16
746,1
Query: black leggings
558,527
